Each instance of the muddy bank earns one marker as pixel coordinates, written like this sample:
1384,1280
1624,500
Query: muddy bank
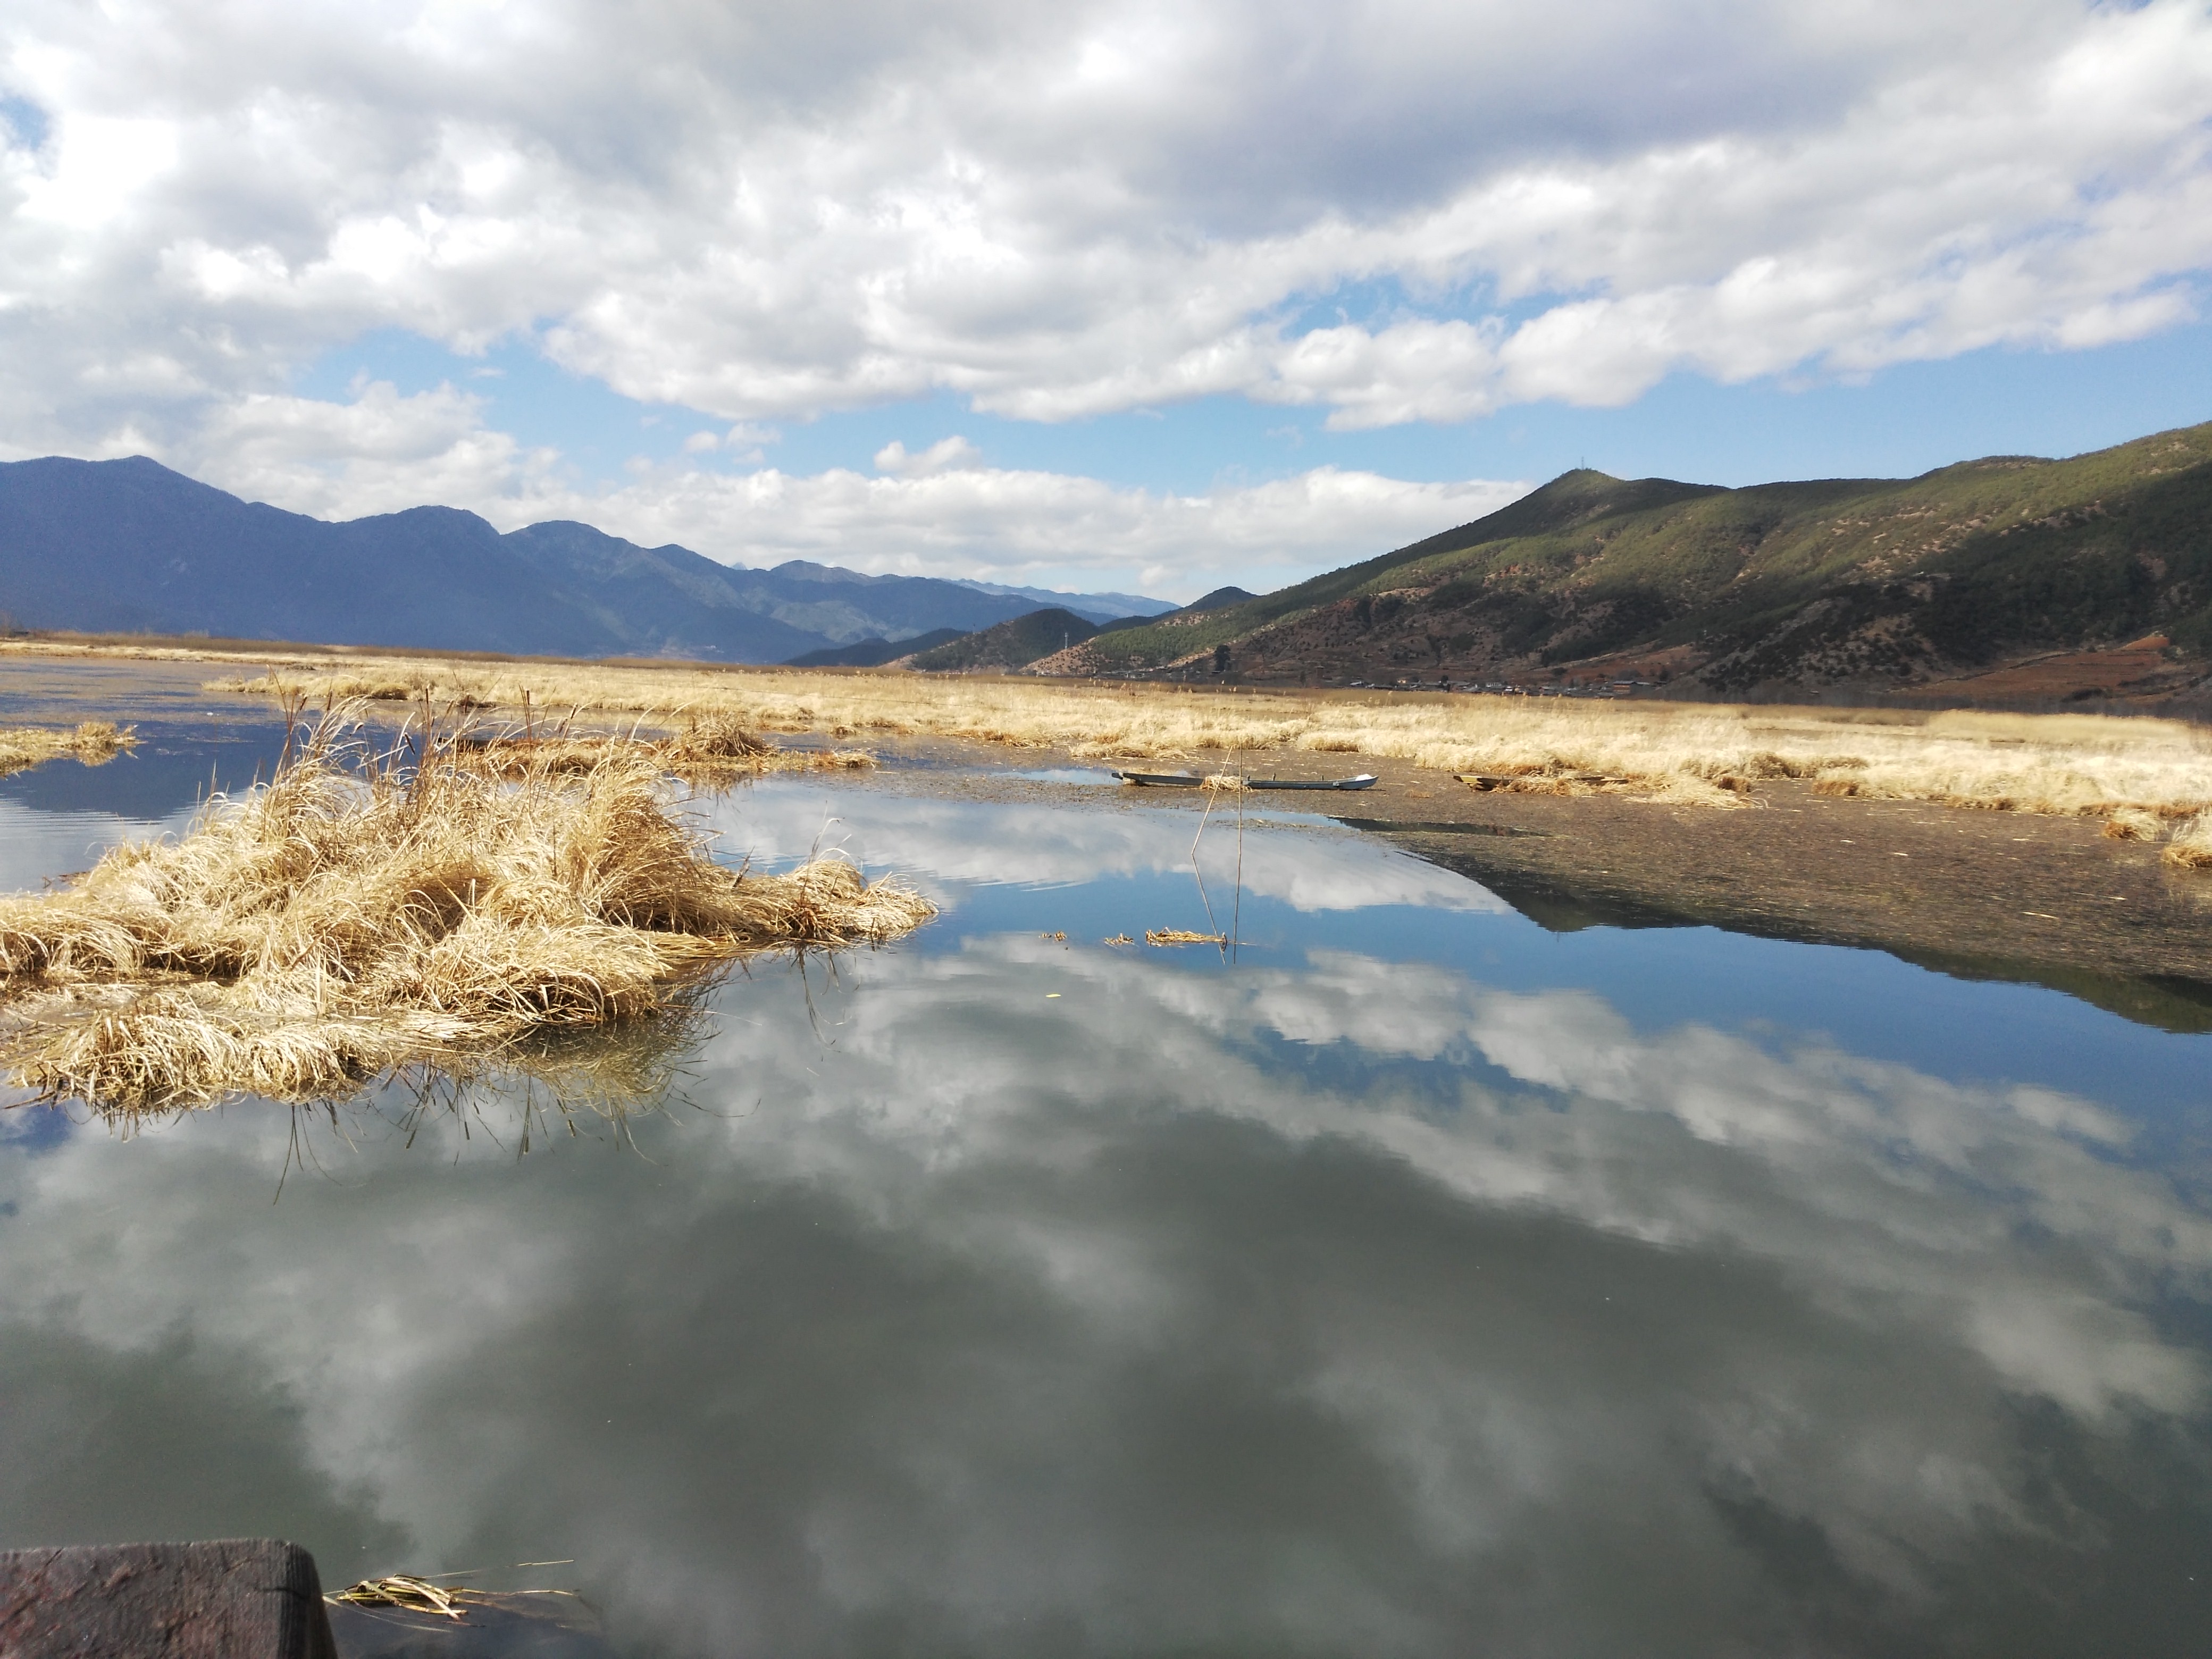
2049,901
1981,895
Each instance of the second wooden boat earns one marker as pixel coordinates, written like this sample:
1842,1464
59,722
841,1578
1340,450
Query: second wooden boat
1191,780
1364,780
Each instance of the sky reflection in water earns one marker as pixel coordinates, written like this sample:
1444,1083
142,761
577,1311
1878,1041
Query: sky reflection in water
1419,1283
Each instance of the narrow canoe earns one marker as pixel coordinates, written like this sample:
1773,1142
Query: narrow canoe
1364,780
1191,780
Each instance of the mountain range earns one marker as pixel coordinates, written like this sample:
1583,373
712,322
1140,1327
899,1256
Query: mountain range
2012,576
128,546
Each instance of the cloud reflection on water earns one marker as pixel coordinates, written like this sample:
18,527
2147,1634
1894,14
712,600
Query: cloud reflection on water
941,841
1350,1307
36,846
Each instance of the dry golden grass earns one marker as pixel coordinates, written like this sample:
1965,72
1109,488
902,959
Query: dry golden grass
2133,824
352,919
1694,753
409,1595
405,1593
94,743
1177,936
2191,846
1714,755
712,748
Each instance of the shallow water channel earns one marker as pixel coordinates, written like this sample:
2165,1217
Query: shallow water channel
1419,1281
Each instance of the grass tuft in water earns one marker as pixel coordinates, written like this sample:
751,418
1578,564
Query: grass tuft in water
2191,848
359,915
95,742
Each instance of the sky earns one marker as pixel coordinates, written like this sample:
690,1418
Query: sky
1145,297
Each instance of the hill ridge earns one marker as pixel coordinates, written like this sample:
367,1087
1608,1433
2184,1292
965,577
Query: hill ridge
1845,584
1008,645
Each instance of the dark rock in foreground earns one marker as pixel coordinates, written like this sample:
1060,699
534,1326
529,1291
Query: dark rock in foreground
236,1598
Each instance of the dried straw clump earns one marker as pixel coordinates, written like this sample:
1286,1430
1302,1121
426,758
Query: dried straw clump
409,1595
2130,823
1177,936
94,743
403,1594
716,742
2191,846
351,918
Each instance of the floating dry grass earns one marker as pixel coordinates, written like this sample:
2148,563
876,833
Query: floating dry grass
1176,936
1699,754
354,918
94,743
400,1592
408,1594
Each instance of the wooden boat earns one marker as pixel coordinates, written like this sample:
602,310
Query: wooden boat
1364,780
1191,780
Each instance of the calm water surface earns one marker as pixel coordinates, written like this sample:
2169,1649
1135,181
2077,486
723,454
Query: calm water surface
1419,1283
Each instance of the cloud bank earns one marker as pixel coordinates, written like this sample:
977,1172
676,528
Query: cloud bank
1395,213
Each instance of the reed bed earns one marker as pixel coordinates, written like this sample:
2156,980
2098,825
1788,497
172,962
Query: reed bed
363,914
94,742
713,748
1700,754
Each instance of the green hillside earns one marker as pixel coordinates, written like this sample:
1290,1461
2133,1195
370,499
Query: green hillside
1008,645
1834,580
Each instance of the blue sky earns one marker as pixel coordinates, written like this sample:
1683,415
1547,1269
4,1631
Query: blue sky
1114,295
1896,422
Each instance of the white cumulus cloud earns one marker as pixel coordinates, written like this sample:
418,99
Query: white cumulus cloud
939,511
1397,212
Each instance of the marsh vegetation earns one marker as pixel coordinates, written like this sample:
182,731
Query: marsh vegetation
713,748
93,742
433,902
2159,771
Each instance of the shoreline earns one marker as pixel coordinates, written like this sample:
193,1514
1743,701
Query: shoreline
2027,898
2039,897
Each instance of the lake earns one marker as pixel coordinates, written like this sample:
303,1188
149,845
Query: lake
1412,1281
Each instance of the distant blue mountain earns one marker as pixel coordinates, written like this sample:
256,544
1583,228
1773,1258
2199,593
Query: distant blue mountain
130,546
1094,607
